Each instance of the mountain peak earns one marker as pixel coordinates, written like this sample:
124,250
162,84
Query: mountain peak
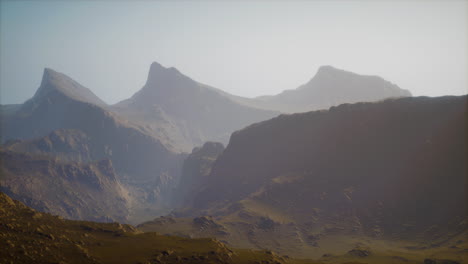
330,71
327,68
53,81
158,72
155,66
48,76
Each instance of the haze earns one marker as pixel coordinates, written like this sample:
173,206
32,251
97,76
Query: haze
244,48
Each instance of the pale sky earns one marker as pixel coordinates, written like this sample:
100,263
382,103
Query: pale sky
242,47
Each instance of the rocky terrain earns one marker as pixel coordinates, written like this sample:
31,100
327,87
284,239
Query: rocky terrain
390,176
71,189
29,236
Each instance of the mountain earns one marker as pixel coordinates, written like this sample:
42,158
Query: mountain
358,178
48,109
329,87
192,112
28,236
70,189
55,82
195,169
64,119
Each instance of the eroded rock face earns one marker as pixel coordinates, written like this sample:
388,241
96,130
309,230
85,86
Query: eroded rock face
70,189
196,168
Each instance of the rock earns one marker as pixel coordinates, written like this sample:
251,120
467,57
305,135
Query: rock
266,223
359,252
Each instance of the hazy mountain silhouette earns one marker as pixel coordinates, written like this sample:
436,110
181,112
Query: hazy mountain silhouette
319,182
329,87
193,112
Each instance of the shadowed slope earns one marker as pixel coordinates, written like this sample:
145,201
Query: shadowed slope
409,154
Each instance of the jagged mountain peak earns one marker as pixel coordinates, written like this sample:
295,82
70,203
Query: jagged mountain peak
163,83
159,73
53,82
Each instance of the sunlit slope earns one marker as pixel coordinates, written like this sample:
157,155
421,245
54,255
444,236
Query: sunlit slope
28,236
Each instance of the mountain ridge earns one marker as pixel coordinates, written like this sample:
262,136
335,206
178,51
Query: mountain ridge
329,87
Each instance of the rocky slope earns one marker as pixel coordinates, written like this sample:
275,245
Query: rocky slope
329,87
70,189
389,175
28,236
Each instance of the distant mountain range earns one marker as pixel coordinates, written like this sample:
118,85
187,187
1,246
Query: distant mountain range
146,137
363,171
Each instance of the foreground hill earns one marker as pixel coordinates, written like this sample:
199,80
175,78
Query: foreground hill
389,176
28,236
329,87
193,112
